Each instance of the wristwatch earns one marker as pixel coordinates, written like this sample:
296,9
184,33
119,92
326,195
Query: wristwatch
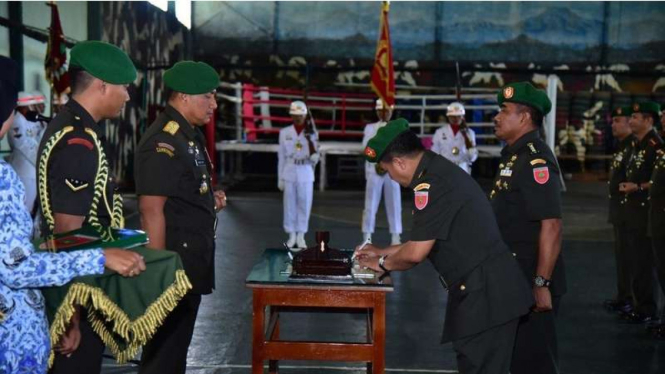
382,260
540,281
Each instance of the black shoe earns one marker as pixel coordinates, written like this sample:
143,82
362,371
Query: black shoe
659,333
637,318
617,306
654,325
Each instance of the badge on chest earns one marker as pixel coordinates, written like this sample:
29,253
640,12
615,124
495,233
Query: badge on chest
193,150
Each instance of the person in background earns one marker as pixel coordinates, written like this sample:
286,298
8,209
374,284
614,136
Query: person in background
297,157
24,138
617,215
378,182
455,140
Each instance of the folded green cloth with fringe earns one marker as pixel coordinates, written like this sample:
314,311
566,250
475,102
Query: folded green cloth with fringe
124,312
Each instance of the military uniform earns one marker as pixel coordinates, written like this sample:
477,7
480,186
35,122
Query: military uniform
486,292
295,172
24,138
639,170
376,184
73,177
657,216
452,146
617,217
525,192
172,161
70,155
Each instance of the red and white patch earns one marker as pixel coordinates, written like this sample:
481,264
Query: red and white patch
541,175
421,199
369,152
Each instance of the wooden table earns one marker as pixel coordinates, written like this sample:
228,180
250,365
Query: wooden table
272,289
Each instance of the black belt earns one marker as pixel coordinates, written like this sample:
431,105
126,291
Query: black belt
300,162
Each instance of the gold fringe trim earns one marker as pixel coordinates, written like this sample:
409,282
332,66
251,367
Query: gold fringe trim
107,319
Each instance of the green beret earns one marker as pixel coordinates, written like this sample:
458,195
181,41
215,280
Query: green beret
378,144
104,61
622,111
192,78
525,93
647,107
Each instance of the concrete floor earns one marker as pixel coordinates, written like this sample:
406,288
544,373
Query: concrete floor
591,340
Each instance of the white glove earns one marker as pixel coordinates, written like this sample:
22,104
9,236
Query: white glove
314,158
280,184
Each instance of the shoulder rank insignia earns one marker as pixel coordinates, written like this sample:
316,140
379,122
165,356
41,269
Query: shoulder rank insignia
652,142
171,127
532,148
537,161
75,185
422,186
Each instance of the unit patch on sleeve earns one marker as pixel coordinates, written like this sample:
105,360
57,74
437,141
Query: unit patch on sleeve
541,174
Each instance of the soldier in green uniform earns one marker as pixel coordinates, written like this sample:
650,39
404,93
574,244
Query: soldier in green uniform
177,203
657,224
75,186
617,216
454,227
636,200
526,198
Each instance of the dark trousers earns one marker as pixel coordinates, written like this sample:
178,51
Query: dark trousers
166,353
659,259
87,359
641,270
488,352
536,350
621,254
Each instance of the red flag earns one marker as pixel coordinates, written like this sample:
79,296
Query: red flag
383,74
55,62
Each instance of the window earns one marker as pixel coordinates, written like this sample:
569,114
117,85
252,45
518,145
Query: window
183,12
161,4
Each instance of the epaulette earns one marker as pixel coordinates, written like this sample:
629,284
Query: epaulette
532,148
171,127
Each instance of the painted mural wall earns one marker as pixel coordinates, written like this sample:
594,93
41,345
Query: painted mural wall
154,40
612,38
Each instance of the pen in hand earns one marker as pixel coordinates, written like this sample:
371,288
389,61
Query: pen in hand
367,241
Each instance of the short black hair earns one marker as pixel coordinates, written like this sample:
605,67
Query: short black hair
80,79
406,144
535,114
168,94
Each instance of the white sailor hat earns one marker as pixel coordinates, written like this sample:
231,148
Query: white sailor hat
38,97
455,109
298,108
25,99
379,105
